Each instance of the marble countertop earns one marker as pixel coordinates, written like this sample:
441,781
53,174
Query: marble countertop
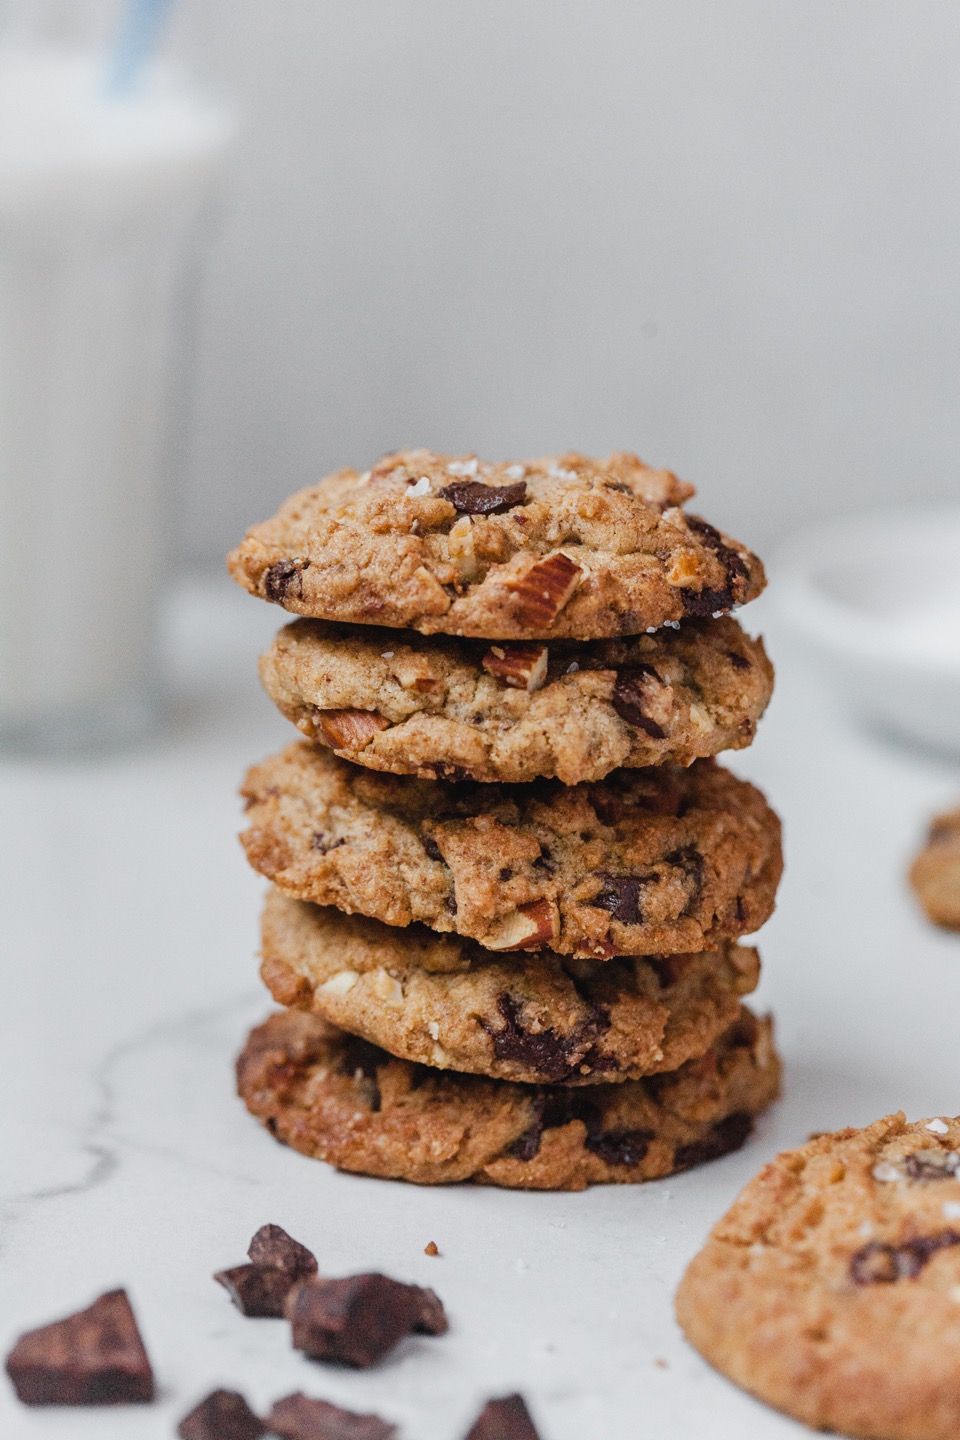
129,980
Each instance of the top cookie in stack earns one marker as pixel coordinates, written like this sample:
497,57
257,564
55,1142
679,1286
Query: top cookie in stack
516,645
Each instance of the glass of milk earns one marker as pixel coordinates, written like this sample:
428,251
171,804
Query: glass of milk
100,201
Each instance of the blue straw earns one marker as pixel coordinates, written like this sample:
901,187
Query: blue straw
139,32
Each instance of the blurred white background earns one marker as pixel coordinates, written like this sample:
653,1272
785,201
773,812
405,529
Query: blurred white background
724,234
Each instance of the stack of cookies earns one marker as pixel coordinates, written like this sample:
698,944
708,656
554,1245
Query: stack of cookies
509,879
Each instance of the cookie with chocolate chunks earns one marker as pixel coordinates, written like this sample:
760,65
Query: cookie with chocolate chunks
467,709
935,873
340,1099
539,549
296,1417
446,1002
95,1357
358,1320
655,861
830,1289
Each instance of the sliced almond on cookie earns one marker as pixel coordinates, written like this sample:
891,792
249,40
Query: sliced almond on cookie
544,589
530,927
522,666
349,729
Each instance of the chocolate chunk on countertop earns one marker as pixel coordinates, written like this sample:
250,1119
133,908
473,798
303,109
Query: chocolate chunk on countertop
505,1419
271,1245
277,1263
95,1357
222,1415
296,1417
357,1320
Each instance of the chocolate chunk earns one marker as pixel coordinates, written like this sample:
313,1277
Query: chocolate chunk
739,662
620,896
471,497
319,841
358,1319
283,578
726,1135
431,848
620,1147
690,861
257,1290
880,1264
932,1165
506,1419
631,696
273,1246
551,1110
296,1417
550,1054
705,603
223,1415
95,1357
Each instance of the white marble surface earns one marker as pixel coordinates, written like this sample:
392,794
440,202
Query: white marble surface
129,931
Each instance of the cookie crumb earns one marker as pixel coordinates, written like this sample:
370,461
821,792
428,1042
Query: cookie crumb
431,1248
661,1364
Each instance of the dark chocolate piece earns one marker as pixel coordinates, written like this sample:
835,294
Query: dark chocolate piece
880,1264
705,603
549,1053
296,1417
357,1320
273,1246
506,1419
223,1415
257,1290
282,577
620,896
724,1136
95,1357
471,497
631,694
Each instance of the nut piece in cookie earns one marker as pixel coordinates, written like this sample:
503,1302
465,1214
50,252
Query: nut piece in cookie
935,873
95,1357
563,546
830,1289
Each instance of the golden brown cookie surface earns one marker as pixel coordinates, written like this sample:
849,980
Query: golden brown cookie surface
645,862
831,1289
562,546
442,1001
339,1099
441,707
935,873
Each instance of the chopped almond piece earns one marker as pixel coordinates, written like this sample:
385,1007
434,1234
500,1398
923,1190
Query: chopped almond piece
522,666
544,589
349,729
529,927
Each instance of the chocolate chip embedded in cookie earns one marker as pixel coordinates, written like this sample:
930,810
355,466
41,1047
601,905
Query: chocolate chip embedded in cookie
440,707
339,1099
446,1002
935,874
831,1289
562,546
646,862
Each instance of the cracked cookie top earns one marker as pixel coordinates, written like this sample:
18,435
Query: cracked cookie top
446,1002
645,862
563,546
831,1288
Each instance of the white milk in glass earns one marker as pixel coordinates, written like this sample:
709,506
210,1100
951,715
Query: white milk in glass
99,202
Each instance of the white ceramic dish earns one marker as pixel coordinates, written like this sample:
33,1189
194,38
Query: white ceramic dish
875,599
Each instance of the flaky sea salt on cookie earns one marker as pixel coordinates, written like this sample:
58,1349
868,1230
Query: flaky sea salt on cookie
339,1099
562,546
831,1289
446,1002
443,707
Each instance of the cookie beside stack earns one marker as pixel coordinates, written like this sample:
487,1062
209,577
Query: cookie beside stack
509,877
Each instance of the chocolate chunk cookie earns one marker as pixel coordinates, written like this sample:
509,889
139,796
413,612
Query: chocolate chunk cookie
935,874
340,1099
454,708
563,546
831,1289
446,1002
646,862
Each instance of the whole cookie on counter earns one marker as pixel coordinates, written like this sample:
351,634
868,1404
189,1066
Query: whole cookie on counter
442,1001
935,874
452,708
645,862
562,546
339,1099
831,1289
